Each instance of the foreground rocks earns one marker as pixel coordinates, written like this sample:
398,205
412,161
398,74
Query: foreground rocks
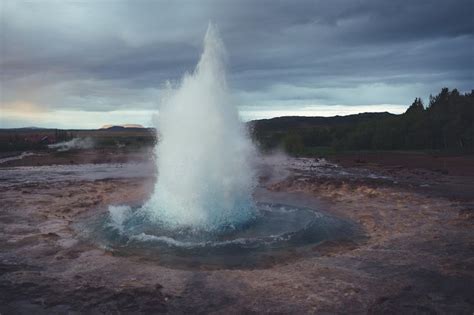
417,255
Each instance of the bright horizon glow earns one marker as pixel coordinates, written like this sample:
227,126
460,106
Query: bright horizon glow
78,119
321,111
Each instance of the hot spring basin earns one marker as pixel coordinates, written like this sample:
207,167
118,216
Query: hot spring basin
278,233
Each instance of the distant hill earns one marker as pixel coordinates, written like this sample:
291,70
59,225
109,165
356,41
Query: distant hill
286,123
121,127
299,134
25,128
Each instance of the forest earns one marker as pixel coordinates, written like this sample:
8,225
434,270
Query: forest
446,123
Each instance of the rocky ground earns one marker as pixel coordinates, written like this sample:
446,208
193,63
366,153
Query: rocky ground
417,255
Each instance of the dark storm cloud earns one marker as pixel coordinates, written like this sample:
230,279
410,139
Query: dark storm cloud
106,55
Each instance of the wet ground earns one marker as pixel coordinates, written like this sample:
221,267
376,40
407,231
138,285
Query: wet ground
417,255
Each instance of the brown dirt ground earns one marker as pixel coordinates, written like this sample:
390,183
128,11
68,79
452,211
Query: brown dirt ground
417,257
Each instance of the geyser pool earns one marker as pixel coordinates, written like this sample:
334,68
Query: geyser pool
276,233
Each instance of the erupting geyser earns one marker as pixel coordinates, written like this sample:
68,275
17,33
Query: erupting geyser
202,211
204,178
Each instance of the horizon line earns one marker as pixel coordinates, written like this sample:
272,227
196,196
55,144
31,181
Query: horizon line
152,127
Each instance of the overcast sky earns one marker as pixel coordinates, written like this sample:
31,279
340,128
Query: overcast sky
82,64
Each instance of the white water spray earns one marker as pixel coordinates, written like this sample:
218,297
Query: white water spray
205,180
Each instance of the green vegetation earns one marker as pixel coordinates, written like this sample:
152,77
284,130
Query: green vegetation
446,124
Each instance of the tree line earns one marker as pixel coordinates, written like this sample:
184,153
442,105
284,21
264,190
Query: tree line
446,123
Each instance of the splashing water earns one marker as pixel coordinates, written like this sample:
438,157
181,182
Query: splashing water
204,181
201,212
